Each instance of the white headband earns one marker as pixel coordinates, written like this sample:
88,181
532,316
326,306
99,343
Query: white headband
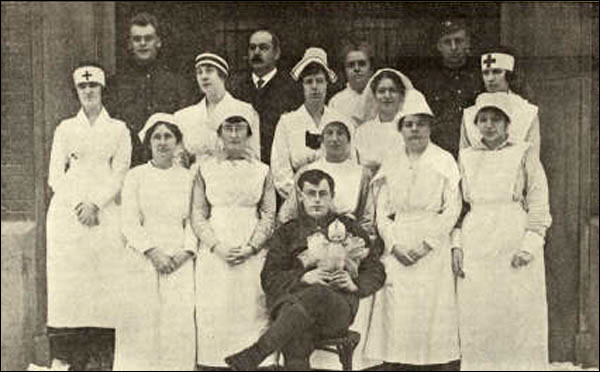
87,74
213,60
497,60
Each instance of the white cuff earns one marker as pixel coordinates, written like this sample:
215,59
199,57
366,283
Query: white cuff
532,243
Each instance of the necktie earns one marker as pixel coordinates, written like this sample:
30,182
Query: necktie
259,83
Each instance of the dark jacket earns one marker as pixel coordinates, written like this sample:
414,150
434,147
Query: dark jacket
282,271
281,94
448,92
137,92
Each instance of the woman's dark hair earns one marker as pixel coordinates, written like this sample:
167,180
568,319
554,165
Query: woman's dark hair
314,177
495,110
339,124
314,68
389,75
516,79
235,120
172,127
422,116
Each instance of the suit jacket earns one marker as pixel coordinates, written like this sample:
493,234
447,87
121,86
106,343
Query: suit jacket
281,94
282,272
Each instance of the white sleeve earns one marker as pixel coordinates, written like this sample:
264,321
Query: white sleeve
281,164
132,224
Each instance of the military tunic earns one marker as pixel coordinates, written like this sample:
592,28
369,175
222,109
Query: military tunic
448,92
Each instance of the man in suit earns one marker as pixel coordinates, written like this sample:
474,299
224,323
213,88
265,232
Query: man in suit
270,91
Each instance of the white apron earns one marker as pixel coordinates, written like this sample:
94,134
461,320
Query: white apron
415,317
83,262
503,310
230,304
156,329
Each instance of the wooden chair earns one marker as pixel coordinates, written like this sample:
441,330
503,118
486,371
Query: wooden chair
342,346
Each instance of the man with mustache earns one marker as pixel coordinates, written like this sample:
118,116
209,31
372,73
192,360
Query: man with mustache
270,91
145,86
452,84
357,55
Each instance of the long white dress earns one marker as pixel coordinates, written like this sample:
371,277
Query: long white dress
290,152
503,310
87,164
376,140
234,204
199,128
156,330
414,315
525,126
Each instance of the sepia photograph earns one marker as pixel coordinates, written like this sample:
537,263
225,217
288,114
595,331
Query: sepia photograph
295,186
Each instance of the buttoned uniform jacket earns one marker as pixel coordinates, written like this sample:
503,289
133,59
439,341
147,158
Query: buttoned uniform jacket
282,272
279,95
449,92
138,91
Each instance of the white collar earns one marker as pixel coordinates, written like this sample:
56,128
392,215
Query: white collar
265,78
102,117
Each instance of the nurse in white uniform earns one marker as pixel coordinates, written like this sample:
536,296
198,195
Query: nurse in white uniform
156,330
90,156
297,137
502,297
498,70
414,323
199,122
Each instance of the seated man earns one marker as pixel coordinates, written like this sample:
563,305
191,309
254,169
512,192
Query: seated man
312,289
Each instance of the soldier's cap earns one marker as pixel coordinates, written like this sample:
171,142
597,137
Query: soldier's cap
448,26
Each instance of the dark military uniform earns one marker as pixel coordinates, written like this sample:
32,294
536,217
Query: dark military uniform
448,92
302,313
139,91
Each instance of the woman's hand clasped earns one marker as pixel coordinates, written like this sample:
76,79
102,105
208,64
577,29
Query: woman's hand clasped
409,257
520,259
234,255
162,262
87,214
